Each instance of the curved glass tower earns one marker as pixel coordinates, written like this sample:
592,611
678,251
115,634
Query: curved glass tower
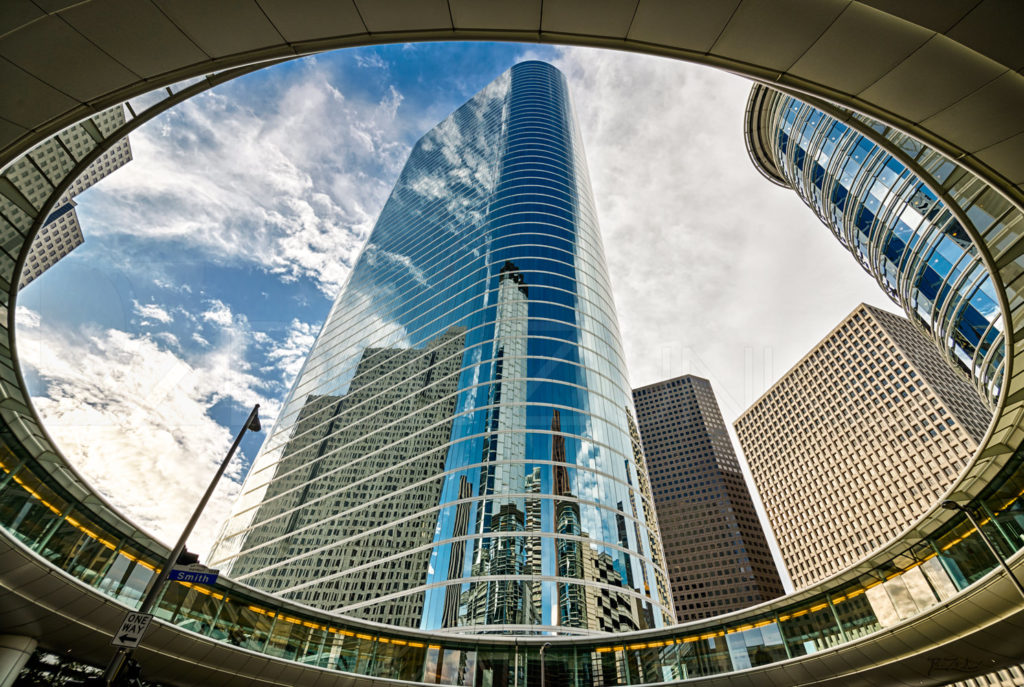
458,452
894,217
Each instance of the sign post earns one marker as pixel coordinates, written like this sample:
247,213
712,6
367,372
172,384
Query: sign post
156,585
132,628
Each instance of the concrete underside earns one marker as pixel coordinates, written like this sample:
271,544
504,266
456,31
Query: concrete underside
948,73
979,636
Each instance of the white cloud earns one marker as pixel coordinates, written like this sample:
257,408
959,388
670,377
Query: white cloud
290,180
169,339
27,318
218,313
132,418
151,311
371,61
289,356
164,283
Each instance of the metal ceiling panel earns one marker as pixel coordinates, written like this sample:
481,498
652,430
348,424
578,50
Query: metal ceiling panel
318,19
987,116
1007,157
993,28
26,101
383,16
17,13
474,14
136,34
56,54
937,16
9,130
686,24
222,28
931,79
763,32
53,6
605,18
840,56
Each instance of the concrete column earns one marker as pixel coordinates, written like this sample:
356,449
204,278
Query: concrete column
14,653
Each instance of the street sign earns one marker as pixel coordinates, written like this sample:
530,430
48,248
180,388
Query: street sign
131,631
196,574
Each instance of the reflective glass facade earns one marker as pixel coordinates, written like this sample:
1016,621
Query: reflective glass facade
458,452
889,214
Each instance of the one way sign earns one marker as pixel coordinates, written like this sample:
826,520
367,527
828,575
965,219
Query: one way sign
132,629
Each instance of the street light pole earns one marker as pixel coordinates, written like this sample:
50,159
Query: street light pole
953,505
542,671
156,586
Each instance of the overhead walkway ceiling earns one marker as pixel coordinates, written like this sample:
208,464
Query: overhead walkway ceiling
948,73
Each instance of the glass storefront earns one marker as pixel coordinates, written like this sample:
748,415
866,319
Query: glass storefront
896,589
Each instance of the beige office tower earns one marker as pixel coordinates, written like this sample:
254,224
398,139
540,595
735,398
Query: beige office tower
857,441
61,233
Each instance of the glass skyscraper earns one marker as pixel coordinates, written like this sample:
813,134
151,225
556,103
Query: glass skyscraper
458,452
895,214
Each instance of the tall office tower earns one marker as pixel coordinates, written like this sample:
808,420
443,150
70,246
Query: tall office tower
857,441
902,215
62,233
716,552
456,452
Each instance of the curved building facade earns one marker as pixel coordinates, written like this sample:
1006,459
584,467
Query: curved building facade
901,216
457,452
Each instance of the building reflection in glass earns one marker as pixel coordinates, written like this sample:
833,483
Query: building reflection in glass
330,491
457,452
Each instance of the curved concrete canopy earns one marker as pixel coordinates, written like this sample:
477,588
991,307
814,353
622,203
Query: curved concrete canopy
934,648
948,73
950,77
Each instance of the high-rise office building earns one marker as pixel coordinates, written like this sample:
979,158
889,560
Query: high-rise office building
857,441
456,453
900,216
716,551
61,233
896,216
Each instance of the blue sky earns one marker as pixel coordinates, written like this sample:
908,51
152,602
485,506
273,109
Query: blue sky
211,260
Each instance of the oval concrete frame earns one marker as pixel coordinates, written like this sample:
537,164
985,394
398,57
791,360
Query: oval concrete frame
950,76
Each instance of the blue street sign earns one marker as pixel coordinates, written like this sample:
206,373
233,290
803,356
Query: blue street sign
193,576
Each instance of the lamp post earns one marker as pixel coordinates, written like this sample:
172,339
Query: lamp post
542,671
156,586
953,505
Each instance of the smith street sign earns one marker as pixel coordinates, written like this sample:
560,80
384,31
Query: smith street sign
132,628
196,574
